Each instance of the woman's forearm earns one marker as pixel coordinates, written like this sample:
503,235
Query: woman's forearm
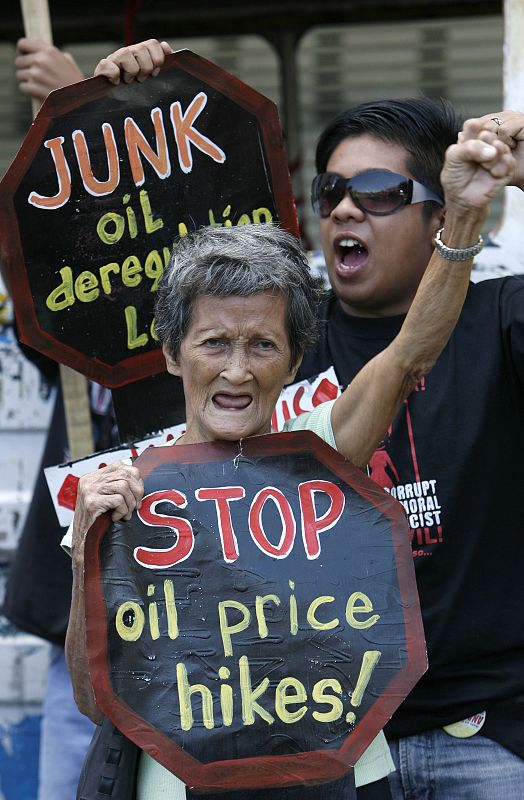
116,488
75,648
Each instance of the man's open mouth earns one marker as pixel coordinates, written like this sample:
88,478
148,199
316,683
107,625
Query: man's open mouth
350,254
234,402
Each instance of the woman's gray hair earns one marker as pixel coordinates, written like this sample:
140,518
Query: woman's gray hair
242,261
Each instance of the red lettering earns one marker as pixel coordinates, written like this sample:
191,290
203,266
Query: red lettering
324,391
296,401
93,185
137,144
138,148
285,412
222,495
186,134
256,528
165,557
68,491
311,524
63,175
429,539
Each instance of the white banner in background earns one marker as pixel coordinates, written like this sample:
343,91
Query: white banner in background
294,400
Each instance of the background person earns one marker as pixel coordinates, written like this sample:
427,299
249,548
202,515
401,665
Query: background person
38,590
234,358
453,451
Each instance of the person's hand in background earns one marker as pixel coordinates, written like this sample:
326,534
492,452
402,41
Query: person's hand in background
136,62
41,68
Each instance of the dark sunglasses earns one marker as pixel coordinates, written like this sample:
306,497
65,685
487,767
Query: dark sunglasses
376,192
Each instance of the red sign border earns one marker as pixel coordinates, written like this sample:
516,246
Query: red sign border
261,772
74,96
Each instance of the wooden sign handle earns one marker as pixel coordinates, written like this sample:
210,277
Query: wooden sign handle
77,413
37,24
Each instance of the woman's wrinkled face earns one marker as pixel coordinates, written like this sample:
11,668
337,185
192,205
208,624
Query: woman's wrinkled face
233,361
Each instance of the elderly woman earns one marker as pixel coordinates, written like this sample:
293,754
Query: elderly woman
235,313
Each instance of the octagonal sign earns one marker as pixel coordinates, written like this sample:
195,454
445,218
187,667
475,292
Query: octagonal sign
257,622
106,180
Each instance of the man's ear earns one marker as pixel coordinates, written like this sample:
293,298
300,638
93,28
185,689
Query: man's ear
437,222
171,361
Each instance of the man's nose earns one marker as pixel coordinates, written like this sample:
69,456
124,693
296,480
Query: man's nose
347,209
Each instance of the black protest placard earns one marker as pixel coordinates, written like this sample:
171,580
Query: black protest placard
257,622
106,180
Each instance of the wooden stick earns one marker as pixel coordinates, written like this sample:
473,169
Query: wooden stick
37,24
77,413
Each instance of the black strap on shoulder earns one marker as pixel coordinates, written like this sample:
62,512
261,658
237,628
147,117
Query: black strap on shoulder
110,767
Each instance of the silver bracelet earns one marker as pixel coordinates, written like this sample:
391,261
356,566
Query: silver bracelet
457,253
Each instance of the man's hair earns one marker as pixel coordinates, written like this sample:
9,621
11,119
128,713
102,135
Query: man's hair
423,127
240,261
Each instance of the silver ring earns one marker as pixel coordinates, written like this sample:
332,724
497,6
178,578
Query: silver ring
497,120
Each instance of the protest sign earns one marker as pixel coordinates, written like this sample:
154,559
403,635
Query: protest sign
106,180
256,622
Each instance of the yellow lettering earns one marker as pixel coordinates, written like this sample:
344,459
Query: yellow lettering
151,224
153,614
131,218
225,213
311,618
369,662
135,615
359,603
63,296
289,692
86,287
154,268
171,612
131,269
152,330
259,610
262,215
213,223
226,697
250,707
185,690
293,611
319,696
225,628
111,219
104,275
133,340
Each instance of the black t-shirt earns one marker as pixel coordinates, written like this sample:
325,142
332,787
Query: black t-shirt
453,458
